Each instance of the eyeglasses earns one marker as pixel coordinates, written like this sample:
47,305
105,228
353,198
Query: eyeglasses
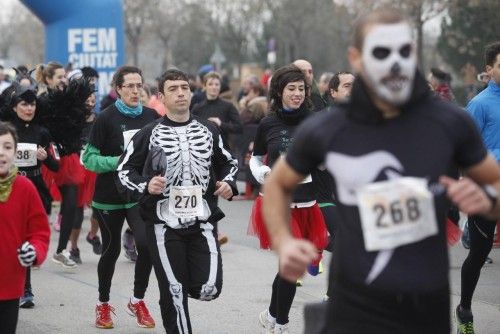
132,86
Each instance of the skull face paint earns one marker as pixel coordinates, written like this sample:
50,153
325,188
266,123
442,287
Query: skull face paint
389,61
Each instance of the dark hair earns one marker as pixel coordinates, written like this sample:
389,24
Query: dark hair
147,89
282,77
6,128
89,72
118,77
22,72
335,80
171,74
12,96
380,16
491,52
440,75
21,69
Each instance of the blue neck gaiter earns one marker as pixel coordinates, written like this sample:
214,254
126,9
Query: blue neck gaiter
128,111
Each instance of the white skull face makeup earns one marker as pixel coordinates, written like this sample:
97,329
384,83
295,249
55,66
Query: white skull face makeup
389,61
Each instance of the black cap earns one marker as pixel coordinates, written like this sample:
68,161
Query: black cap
22,93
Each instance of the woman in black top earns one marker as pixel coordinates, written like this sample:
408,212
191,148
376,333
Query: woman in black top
62,110
275,134
222,113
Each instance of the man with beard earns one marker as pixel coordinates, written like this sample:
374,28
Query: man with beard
390,257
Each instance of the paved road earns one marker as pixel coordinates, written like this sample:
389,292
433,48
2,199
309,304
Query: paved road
65,299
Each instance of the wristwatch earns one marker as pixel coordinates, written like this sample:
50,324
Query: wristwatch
492,194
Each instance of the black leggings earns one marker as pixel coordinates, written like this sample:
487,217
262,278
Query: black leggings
281,299
69,195
187,262
27,283
111,223
77,223
329,215
9,312
481,233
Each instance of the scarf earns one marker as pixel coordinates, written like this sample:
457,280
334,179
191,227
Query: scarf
293,117
128,111
6,184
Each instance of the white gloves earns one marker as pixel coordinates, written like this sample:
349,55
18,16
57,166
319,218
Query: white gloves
261,173
26,254
259,170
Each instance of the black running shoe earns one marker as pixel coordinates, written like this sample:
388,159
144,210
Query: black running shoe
26,300
96,244
74,254
465,321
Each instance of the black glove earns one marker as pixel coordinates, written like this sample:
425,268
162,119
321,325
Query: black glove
156,163
26,254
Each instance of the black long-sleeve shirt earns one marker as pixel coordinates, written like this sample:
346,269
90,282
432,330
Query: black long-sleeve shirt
190,155
34,134
225,111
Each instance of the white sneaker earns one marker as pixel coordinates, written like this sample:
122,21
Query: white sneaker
281,329
264,322
64,260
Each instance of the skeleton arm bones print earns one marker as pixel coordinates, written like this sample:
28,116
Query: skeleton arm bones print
190,157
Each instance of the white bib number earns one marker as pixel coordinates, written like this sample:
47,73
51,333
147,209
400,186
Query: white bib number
26,155
127,136
396,212
186,201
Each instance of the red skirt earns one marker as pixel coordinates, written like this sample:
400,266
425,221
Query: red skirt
306,223
86,189
70,171
48,177
453,233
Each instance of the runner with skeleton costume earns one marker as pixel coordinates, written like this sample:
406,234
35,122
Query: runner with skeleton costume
391,152
176,168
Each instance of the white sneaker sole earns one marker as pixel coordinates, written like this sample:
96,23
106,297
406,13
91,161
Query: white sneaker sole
64,265
263,323
130,313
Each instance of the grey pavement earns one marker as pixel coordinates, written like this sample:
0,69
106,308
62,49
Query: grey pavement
65,299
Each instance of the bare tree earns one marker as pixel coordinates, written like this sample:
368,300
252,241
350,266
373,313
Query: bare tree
240,24
138,17
22,38
166,27
318,33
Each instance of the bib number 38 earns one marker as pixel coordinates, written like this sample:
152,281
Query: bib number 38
396,212
26,155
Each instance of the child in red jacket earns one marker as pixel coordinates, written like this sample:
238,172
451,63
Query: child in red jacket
24,230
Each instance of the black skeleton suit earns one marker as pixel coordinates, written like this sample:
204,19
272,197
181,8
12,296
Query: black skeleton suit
180,232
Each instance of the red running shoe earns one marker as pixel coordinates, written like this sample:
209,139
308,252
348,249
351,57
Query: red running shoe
103,316
141,314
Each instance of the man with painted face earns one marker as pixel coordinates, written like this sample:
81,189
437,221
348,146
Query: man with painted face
390,272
